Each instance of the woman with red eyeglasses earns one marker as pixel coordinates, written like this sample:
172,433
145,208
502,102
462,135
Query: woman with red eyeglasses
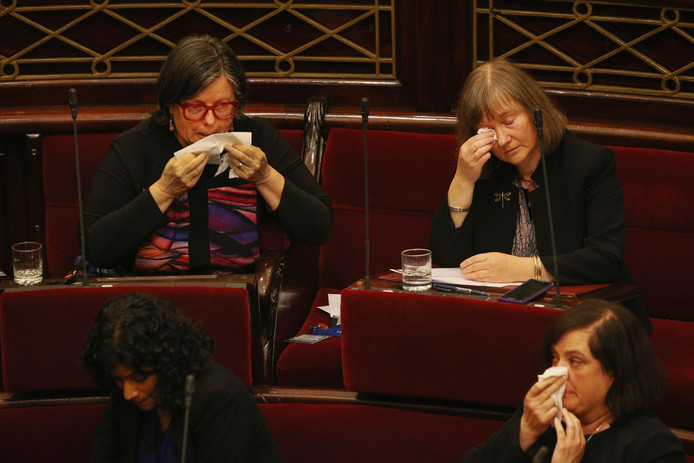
149,212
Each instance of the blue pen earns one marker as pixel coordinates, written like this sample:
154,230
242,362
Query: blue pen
459,289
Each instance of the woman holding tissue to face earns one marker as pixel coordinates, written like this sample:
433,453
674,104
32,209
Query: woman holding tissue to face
150,212
494,222
614,379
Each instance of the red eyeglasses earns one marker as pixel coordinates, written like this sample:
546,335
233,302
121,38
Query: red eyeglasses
196,112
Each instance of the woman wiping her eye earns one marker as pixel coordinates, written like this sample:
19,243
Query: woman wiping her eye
494,221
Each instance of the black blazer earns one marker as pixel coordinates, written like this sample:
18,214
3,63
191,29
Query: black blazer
587,213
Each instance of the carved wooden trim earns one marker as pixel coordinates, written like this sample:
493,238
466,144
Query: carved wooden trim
608,46
315,135
288,39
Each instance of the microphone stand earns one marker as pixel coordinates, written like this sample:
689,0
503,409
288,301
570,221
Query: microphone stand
365,123
537,118
72,98
189,389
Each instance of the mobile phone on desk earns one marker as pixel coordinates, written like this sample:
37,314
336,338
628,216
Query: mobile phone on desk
526,291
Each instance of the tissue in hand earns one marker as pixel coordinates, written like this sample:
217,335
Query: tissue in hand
214,146
486,129
559,394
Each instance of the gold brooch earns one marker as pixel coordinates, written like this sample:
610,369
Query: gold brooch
503,196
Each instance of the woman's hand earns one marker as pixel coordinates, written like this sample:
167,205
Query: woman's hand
179,176
250,163
571,443
472,156
538,410
497,267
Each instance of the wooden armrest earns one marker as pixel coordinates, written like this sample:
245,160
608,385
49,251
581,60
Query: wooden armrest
286,282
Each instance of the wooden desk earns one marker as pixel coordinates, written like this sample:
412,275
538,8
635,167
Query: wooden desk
570,295
234,281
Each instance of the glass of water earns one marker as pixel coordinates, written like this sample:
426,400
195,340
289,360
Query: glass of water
27,263
416,269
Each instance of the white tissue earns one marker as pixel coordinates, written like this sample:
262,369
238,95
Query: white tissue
559,394
214,146
485,129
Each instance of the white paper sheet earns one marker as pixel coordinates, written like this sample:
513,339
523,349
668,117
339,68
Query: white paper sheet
452,276
214,146
333,307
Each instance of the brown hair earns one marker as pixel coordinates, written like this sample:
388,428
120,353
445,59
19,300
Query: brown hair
620,344
499,84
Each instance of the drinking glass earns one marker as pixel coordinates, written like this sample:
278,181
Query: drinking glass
416,269
27,263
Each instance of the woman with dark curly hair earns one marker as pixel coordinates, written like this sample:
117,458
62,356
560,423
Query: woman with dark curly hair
612,380
143,348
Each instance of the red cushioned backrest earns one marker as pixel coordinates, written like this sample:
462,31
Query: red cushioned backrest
59,434
409,175
60,193
42,331
659,241
442,347
674,343
361,433
295,137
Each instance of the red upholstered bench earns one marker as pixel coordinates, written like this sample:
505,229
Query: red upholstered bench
409,174
441,347
404,193
288,273
674,343
659,239
48,433
345,433
60,193
42,331
50,408
659,242
313,365
486,353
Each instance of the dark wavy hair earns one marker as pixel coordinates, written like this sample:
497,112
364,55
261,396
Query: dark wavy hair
145,333
500,84
620,344
193,64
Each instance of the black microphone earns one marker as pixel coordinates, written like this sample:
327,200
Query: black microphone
542,453
537,118
365,123
72,98
189,389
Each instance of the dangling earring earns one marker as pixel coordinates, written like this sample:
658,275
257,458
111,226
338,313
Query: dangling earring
171,125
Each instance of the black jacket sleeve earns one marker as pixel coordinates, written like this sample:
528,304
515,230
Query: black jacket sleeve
305,211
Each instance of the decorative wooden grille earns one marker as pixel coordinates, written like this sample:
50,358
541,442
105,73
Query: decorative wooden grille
636,48
53,39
